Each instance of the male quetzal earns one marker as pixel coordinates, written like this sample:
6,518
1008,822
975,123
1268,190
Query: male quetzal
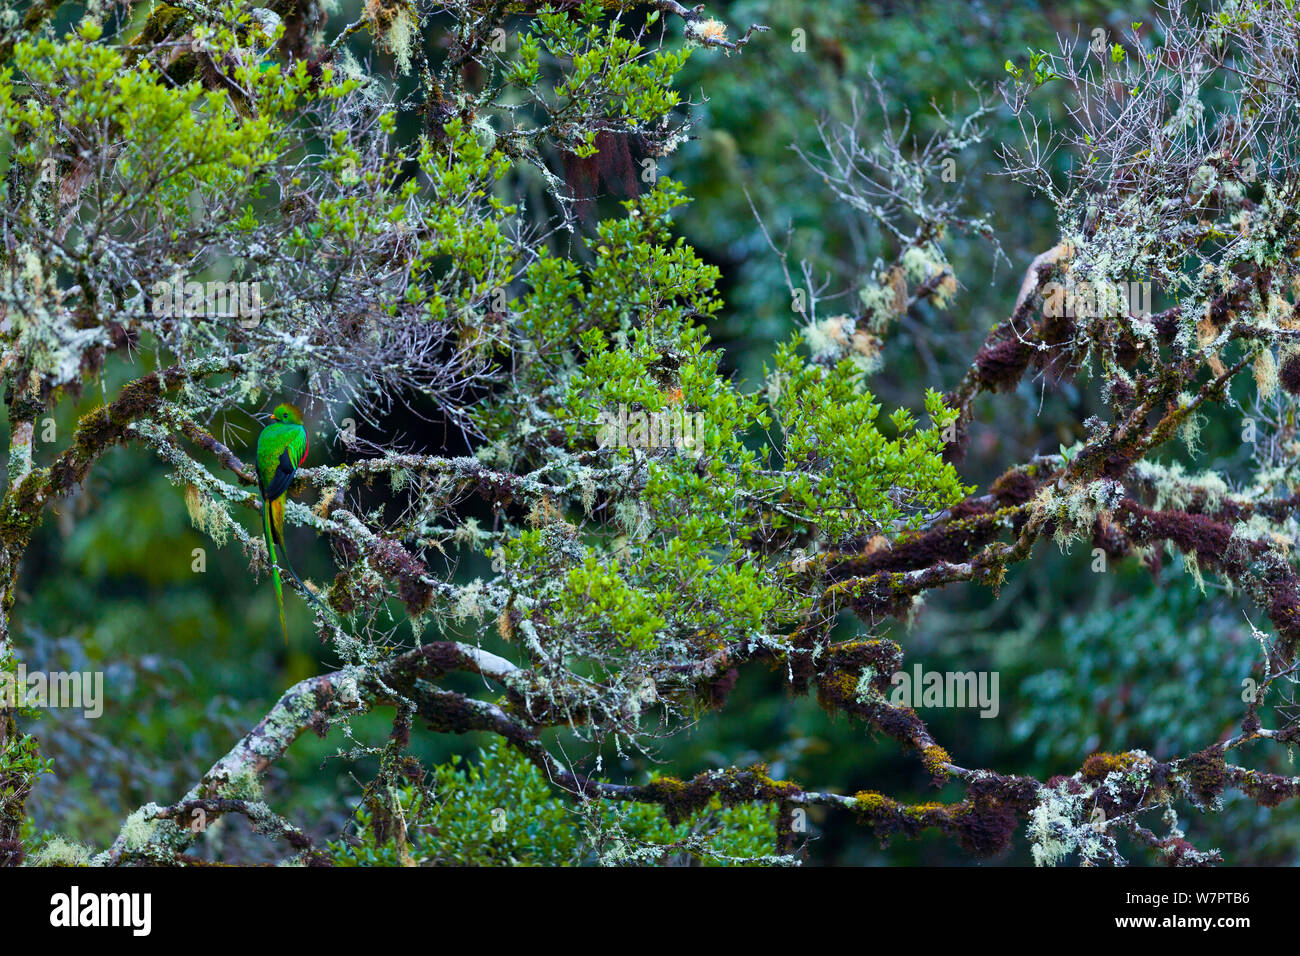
281,448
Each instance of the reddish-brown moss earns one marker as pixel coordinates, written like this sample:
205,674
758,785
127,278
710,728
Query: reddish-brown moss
1014,487
1121,392
999,365
984,823
1205,774
1288,374
1189,533
714,692
1268,789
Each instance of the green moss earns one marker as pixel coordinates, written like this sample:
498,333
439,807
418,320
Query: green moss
22,508
243,785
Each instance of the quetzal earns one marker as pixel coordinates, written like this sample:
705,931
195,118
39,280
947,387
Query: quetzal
281,449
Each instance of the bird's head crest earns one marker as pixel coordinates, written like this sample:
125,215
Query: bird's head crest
286,412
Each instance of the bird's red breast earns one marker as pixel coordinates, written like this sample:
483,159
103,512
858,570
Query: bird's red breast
306,447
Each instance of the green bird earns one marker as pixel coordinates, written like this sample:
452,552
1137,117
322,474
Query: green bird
281,449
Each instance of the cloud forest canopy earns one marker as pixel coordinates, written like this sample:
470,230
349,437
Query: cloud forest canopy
211,207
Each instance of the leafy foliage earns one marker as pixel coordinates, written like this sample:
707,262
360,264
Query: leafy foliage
500,812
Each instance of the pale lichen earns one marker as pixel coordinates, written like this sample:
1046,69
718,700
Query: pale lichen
60,852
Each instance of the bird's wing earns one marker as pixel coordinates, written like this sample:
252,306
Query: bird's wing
280,480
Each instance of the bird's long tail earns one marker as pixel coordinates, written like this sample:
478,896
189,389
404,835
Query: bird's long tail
284,560
275,567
